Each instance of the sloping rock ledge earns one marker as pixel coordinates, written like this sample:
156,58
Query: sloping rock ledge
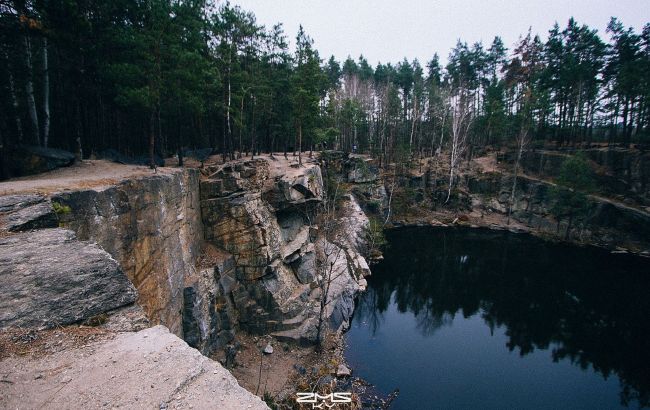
148,369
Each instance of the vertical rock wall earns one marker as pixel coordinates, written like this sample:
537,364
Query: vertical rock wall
254,221
152,227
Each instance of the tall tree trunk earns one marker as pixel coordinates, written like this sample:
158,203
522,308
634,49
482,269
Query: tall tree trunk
46,95
626,109
299,143
614,126
180,137
29,91
241,125
568,227
229,103
253,146
230,144
14,101
514,183
152,140
78,148
415,114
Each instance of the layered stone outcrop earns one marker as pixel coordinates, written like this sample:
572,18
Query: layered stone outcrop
238,247
209,317
262,212
25,212
605,223
144,230
363,174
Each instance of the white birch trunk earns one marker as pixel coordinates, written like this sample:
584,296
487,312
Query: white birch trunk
29,90
46,95
14,100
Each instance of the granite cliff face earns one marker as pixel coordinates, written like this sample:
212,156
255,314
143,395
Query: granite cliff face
152,227
622,173
262,214
235,246
606,223
615,217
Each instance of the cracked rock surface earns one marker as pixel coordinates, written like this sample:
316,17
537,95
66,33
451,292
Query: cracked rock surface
48,278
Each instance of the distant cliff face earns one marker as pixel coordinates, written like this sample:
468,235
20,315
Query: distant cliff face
621,172
615,217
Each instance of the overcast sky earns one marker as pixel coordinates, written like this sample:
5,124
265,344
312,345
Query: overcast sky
389,30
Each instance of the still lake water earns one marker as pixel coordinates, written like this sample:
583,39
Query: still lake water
478,319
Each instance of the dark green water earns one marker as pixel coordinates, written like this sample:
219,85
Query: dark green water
477,319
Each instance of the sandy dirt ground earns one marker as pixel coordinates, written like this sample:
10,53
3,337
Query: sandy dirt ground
277,369
288,369
89,174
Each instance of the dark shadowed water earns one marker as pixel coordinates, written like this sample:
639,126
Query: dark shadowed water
477,319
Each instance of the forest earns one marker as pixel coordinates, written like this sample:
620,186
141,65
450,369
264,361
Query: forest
162,77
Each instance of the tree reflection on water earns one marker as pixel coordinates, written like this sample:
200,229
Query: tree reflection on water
583,304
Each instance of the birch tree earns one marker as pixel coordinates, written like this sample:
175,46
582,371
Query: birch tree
46,95
523,140
29,88
461,120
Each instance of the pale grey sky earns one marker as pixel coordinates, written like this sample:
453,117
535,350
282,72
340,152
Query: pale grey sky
387,31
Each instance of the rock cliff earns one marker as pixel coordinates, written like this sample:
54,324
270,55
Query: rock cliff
51,279
262,213
235,246
151,226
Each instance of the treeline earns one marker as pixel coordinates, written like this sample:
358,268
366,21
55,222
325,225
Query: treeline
571,89
155,76
151,76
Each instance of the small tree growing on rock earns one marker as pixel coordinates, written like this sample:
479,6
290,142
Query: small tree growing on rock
327,274
523,140
374,235
574,182
331,249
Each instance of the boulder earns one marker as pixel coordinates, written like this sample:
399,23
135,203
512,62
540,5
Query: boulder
343,371
30,160
244,226
48,278
361,170
305,267
115,156
25,212
296,188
